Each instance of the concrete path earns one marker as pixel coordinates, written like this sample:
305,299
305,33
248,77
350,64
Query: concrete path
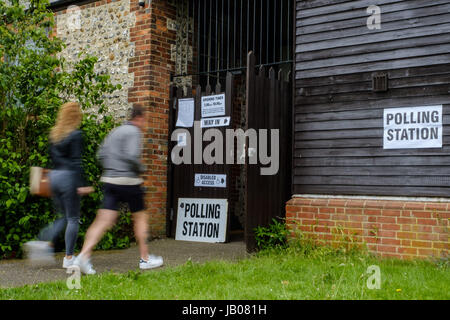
15,273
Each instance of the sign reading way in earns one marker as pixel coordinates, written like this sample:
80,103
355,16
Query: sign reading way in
416,127
213,106
215,122
210,180
202,220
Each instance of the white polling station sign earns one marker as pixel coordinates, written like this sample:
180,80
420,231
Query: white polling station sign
412,127
202,220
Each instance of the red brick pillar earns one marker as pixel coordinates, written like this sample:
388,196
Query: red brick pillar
152,67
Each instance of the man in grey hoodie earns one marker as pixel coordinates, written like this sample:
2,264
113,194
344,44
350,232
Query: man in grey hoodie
120,156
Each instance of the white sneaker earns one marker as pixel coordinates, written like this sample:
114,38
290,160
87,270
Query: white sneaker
39,252
152,262
85,265
67,263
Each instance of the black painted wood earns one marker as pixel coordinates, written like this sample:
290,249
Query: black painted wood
181,181
268,107
338,119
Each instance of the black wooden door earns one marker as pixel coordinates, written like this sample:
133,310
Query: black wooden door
268,107
181,176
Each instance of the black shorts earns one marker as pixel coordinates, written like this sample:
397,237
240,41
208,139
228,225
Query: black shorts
113,194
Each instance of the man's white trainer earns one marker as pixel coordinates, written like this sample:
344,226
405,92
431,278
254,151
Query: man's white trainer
67,263
151,262
84,264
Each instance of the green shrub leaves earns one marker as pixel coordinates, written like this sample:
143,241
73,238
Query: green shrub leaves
34,81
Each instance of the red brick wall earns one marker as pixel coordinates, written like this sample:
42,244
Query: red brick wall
152,67
389,228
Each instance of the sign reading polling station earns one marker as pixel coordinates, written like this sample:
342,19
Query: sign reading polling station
202,220
414,127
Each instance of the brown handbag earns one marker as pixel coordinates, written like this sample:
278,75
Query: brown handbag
40,182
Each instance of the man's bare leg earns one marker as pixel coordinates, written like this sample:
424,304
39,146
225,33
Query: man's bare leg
104,221
140,220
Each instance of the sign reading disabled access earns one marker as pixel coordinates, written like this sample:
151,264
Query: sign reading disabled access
202,220
416,127
210,180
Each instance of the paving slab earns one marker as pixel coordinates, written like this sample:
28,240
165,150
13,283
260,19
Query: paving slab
18,272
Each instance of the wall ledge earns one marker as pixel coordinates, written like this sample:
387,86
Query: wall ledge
381,198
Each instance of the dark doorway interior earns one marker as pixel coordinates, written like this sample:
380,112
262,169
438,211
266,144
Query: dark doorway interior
220,34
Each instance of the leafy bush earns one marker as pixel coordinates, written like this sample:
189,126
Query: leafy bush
272,237
34,82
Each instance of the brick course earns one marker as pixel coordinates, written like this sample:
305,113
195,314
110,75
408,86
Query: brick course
389,228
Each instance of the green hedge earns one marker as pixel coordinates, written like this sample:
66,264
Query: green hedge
23,215
34,82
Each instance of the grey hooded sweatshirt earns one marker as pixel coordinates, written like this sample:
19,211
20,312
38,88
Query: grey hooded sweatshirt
120,152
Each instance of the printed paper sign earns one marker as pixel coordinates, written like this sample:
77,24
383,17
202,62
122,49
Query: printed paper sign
202,220
210,180
185,113
415,127
182,139
213,106
215,122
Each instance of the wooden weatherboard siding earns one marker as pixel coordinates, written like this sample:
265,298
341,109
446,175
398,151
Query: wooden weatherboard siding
338,147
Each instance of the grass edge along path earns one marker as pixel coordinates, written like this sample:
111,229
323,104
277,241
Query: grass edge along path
283,274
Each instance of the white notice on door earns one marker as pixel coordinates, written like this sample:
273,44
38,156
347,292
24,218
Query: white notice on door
182,139
210,180
185,113
213,106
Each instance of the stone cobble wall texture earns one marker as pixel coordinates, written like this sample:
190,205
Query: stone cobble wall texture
389,228
102,29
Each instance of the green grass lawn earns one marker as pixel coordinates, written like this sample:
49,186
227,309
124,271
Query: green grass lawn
281,274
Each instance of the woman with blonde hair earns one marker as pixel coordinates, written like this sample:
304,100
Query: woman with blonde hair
66,183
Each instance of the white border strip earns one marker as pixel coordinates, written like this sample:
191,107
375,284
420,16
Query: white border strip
417,199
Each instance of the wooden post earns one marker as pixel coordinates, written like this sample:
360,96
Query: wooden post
229,97
250,103
169,203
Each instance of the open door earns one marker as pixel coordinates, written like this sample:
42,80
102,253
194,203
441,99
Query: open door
269,107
